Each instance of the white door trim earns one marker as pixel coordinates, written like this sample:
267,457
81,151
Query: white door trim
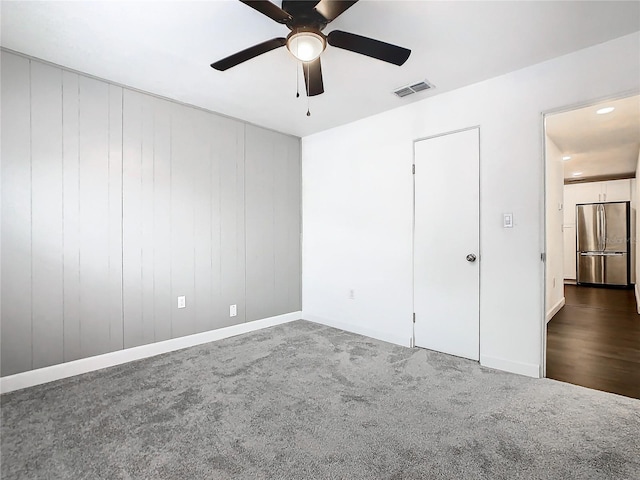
543,216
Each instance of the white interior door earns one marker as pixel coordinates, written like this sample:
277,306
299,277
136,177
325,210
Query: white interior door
446,244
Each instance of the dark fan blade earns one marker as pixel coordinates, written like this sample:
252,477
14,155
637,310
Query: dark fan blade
313,78
269,9
368,46
248,54
331,9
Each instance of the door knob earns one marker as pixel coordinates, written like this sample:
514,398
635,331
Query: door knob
471,257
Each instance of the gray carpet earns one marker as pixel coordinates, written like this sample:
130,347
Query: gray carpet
304,401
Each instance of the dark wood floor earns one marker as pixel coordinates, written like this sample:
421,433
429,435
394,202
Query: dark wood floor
594,340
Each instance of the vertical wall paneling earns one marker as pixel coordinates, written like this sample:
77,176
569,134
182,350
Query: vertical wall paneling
15,324
286,221
280,224
239,281
217,128
94,217
71,211
115,311
116,202
146,219
230,145
296,228
132,223
46,215
273,223
202,301
260,183
291,259
182,218
227,221
163,303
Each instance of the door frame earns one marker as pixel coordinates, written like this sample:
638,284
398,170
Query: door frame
413,230
543,219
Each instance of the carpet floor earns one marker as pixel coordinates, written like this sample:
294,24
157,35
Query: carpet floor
305,401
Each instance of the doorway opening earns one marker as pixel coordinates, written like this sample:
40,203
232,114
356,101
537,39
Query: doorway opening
592,202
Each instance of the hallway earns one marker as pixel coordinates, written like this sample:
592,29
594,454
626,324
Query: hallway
594,340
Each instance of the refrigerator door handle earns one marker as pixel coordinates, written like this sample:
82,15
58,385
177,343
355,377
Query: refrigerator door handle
601,227
600,233
598,227
604,228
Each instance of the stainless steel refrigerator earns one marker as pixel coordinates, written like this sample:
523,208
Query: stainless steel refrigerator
603,243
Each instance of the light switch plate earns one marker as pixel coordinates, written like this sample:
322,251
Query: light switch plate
508,220
182,301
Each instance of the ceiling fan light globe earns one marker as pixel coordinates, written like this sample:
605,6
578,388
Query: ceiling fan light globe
306,46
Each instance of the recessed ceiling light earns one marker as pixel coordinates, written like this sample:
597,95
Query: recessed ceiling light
604,110
577,174
567,157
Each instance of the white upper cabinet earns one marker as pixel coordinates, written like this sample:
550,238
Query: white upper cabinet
616,190
589,192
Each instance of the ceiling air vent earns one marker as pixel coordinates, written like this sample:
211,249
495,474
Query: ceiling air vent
416,87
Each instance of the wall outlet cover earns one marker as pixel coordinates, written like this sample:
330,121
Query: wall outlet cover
182,301
233,310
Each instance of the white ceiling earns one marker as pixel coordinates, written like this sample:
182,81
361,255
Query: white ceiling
599,145
165,47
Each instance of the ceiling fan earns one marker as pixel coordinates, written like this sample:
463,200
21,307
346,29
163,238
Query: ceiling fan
306,19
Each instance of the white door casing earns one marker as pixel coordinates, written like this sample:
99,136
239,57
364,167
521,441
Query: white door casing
446,231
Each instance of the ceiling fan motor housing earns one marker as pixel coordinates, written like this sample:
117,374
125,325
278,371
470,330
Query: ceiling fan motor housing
303,16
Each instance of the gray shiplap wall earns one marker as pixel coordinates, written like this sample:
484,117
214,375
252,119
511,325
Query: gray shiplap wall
272,265
115,202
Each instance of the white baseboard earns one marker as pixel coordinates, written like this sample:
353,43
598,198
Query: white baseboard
637,290
378,335
555,309
85,365
527,369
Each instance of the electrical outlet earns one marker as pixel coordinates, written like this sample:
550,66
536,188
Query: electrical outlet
233,310
182,301
352,294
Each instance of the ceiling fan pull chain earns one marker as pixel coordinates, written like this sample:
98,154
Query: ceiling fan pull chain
297,80
308,84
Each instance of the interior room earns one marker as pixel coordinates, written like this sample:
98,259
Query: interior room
592,313
311,239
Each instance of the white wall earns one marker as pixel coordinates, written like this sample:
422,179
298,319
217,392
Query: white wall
358,193
554,191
